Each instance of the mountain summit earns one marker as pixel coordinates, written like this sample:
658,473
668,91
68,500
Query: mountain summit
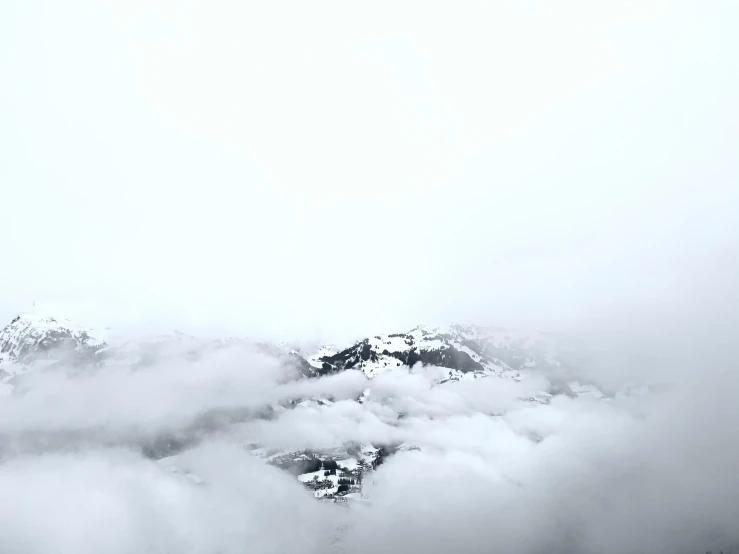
466,351
31,341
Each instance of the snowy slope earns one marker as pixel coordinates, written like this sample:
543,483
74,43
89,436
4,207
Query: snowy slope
32,341
448,348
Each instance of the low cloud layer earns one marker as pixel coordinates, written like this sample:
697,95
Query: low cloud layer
490,470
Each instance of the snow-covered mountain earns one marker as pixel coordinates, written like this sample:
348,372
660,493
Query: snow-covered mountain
465,352
33,341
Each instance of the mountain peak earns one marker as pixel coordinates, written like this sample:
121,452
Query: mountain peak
33,339
442,347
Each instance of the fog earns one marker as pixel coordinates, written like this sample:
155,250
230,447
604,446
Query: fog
506,164
324,172
489,470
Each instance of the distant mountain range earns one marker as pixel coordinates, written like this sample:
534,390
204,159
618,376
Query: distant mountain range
31,343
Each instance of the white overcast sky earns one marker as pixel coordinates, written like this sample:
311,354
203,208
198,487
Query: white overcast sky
302,167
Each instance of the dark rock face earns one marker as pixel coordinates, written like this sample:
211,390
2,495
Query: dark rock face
349,358
449,357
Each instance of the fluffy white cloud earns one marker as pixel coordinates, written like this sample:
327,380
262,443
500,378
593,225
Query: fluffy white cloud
494,471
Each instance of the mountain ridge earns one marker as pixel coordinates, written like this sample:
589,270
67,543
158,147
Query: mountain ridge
30,341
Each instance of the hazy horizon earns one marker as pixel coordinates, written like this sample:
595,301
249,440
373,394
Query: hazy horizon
329,169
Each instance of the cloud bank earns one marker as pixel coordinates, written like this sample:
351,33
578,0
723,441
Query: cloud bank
489,470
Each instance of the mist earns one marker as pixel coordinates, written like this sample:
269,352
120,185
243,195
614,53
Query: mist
522,166
309,174
83,461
